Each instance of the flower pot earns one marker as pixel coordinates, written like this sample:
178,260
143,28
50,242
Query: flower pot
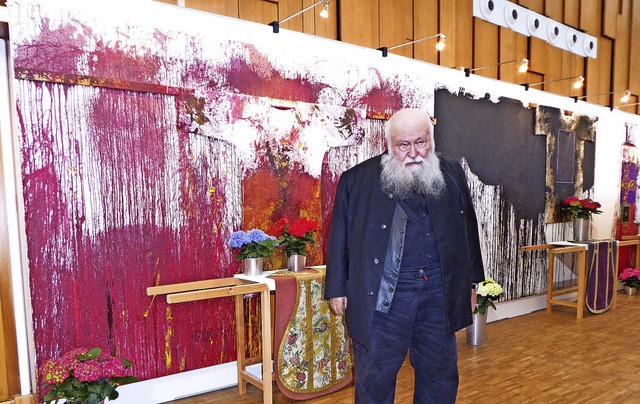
296,262
580,229
475,332
253,266
630,290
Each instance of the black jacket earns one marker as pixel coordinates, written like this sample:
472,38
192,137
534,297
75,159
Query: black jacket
359,236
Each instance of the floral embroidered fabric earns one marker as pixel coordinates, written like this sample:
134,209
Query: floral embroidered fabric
314,353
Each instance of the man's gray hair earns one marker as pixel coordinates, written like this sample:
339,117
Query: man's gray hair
389,123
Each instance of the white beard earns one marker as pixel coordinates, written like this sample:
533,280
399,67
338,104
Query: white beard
403,180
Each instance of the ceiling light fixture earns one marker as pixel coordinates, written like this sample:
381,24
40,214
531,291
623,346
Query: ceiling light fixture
324,14
578,83
523,66
439,46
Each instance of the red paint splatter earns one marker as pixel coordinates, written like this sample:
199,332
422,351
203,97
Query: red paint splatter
258,77
382,100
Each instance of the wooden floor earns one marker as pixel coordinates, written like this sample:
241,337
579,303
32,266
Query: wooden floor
535,358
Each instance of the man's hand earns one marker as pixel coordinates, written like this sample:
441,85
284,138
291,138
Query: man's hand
338,305
473,299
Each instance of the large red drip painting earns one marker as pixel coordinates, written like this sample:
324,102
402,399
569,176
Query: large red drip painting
125,189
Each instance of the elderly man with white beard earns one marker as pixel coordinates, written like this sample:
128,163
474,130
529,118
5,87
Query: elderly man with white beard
403,257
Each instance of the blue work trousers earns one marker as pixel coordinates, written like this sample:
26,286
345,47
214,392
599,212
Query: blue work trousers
416,322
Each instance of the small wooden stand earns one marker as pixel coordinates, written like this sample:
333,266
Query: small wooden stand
582,275
629,241
225,287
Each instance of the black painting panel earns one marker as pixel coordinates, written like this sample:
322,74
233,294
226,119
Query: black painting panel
498,142
566,147
588,165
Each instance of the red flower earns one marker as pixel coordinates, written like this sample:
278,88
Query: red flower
302,226
279,227
570,199
292,338
580,208
301,377
294,237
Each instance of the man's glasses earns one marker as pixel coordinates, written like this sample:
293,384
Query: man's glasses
405,146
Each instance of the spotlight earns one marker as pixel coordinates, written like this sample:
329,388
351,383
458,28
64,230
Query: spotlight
439,46
324,14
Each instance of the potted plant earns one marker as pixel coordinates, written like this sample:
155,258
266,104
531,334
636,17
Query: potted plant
630,278
84,376
293,238
253,247
580,211
487,292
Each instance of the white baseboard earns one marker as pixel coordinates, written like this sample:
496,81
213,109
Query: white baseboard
182,385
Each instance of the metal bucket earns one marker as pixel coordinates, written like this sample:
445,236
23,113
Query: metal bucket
475,332
296,262
253,266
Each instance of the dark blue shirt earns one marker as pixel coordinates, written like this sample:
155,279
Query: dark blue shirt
421,248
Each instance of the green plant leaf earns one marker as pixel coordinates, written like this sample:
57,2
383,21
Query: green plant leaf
51,394
127,363
125,379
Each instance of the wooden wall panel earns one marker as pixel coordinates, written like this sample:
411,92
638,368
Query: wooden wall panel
447,12
512,46
260,11
485,52
598,84
327,27
396,26
359,23
571,13
610,18
634,51
549,59
225,7
554,9
309,17
287,8
522,51
508,51
591,16
464,33
425,24
622,47
534,5
539,54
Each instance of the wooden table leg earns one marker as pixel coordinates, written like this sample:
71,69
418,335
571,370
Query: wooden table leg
582,282
240,343
267,379
550,280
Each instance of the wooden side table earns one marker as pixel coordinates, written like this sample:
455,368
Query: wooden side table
632,241
555,249
236,287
